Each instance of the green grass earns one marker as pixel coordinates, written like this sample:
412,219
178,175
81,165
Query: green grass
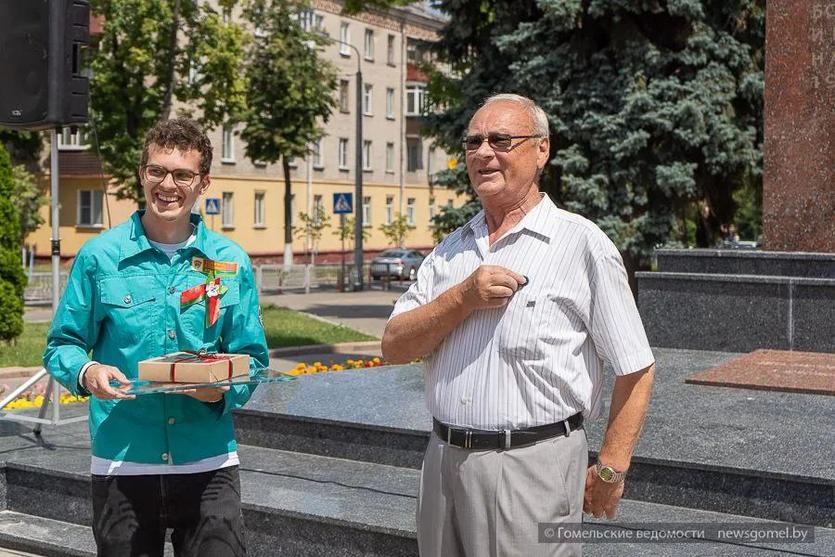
284,327
27,349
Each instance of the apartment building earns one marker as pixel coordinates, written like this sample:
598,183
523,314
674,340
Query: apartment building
397,165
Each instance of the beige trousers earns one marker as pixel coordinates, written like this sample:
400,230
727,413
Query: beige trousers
490,503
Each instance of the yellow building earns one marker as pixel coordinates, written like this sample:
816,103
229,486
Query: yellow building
397,162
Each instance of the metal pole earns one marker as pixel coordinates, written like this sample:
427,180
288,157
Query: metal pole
358,286
54,388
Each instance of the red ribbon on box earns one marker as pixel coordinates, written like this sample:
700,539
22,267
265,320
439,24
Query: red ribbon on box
201,356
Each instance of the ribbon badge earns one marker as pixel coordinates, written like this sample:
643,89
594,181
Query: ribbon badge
212,290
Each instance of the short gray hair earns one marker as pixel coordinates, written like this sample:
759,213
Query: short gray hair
535,113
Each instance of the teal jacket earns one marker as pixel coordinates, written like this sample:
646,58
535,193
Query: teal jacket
122,302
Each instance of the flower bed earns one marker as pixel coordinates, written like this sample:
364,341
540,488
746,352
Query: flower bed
318,367
29,401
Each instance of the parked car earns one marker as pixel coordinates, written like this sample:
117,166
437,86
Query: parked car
396,263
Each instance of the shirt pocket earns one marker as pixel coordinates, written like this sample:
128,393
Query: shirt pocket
193,318
523,329
128,304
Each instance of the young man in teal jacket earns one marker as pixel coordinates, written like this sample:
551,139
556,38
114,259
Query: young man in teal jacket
163,460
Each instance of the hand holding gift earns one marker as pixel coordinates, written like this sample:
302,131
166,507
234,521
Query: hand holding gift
97,380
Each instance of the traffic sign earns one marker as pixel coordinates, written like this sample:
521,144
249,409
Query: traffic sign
343,203
212,205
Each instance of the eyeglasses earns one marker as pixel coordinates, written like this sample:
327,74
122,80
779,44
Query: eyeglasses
155,174
499,142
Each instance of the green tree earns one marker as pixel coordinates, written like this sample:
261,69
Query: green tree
12,278
345,231
24,147
652,106
451,218
290,90
28,198
397,230
312,227
153,56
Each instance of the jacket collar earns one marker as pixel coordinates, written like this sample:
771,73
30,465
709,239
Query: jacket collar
137,242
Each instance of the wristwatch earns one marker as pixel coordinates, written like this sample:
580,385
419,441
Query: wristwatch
609,474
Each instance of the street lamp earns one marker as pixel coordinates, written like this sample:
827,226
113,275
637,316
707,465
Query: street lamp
358,280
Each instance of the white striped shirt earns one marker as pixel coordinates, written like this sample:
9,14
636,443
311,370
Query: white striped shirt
539,359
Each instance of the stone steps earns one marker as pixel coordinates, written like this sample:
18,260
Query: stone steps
702,447
299,504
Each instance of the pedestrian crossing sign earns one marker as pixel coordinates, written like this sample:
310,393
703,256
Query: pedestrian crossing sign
343,203
212,205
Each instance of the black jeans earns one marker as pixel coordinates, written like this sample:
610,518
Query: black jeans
131,514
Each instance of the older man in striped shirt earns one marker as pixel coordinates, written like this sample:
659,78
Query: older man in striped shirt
516,313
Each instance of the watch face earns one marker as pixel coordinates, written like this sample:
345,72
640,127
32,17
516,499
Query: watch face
606,473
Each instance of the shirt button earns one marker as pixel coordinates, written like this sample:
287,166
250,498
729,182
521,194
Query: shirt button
171,421
172,334
164,456
171,289
128,299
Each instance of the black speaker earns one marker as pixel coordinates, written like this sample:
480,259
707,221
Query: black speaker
41,81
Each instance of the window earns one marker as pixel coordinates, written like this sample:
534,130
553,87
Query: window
410,211
390,50
430,163
366,155
194,74
414,153
390,103
431,209
310,20
389,209
449,203
317,209
345,40
369,44
389,157
227,153
318,160
417,51
344,96
415,100
228,210
72,140
366,212
343,153
258,217
90,208
368,91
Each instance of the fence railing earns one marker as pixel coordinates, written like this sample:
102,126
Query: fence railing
39,289
270,279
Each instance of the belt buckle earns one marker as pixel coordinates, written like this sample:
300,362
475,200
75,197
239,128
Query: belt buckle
567,427
507,439
468,439
448,435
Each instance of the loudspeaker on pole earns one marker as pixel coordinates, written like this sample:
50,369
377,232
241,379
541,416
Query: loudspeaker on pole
41,76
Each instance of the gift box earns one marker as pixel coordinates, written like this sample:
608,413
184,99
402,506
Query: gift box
193,367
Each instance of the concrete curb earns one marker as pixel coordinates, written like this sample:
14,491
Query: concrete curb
17,372
340,348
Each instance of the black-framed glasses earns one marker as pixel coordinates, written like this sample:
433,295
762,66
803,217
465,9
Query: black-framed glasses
500,142
155,174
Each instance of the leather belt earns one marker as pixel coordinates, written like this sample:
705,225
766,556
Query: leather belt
504,439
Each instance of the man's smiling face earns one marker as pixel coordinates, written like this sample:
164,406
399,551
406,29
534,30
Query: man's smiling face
505,175
169,200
